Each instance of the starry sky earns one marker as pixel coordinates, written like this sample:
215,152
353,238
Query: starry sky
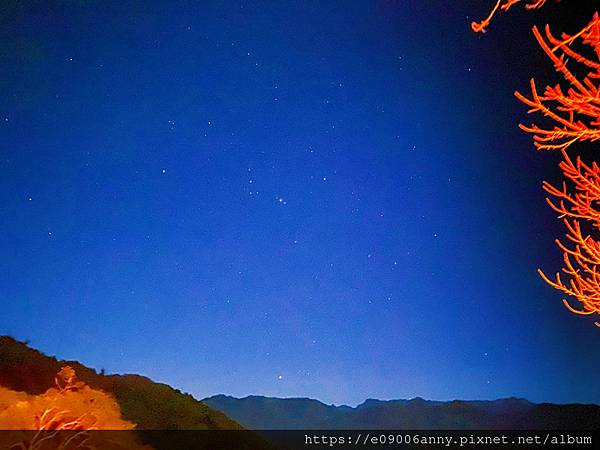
323,198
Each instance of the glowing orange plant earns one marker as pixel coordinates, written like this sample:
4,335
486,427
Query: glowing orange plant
62,418
575,114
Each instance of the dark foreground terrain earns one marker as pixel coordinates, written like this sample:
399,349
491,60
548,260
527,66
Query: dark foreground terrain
148,404
153,407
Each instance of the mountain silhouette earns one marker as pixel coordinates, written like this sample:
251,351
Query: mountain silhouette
263,413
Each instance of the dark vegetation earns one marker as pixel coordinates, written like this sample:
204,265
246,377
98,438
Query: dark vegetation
165,418
148,404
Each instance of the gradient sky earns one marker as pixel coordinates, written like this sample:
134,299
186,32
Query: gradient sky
313,198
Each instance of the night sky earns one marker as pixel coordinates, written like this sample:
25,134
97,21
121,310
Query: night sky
323,198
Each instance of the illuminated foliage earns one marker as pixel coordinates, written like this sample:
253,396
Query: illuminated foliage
576,112
62,417
574,117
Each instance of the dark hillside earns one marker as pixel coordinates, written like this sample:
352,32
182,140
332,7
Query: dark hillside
148,404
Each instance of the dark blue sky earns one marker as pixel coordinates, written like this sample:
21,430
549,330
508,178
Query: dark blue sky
317,198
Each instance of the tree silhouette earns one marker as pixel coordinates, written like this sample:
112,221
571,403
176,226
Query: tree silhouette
573,114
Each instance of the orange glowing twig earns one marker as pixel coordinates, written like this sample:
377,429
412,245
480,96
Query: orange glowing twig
504,5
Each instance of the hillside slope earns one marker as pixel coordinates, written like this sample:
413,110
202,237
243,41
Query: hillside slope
148,404
258,413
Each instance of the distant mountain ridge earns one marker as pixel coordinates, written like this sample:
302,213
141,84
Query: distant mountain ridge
262,413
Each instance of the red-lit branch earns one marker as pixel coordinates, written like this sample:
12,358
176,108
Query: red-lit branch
504,5
573,115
